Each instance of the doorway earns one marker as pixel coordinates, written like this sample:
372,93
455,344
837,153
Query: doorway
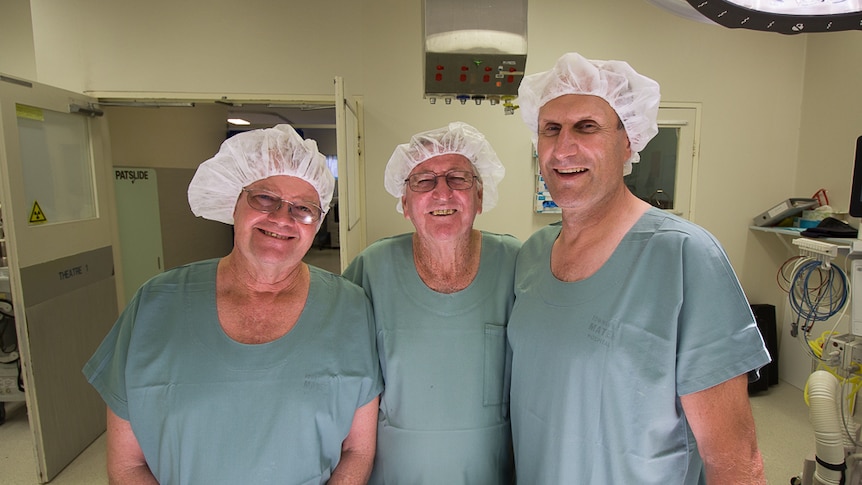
171,138
312,121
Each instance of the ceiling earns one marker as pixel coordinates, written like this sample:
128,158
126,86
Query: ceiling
260,114
300,116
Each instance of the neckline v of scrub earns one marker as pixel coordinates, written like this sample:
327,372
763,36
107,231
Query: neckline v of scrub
256,356
443,303
571,293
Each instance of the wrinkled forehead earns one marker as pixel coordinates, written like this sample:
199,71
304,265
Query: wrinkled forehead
287,186
576,106
443,163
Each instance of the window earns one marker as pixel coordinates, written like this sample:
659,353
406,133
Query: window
665,176
58,166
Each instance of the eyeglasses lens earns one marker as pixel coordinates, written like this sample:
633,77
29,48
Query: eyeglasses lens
302,212
426,181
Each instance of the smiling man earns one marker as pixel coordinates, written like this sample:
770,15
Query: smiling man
442,297
254,367
632,339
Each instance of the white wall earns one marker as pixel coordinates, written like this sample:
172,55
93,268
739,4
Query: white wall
17,54
209,46
831,115
753,86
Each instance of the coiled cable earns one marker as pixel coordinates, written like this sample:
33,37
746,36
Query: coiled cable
816,292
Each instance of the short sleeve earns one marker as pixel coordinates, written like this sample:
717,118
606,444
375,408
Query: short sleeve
106,369
718,335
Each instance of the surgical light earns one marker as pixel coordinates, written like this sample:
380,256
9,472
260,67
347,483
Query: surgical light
782,16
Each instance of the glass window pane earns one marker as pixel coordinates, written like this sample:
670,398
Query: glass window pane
654,178
57,164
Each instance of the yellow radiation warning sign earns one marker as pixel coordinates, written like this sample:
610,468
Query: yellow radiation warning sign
36,215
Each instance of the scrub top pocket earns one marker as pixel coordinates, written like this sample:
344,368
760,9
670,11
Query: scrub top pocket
495,365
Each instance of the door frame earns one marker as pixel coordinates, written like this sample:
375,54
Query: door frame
131,98
351,169
686,117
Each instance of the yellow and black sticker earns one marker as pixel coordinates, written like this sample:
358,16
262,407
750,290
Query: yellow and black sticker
36,215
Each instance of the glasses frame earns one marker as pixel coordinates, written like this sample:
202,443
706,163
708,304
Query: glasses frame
281,202
472,178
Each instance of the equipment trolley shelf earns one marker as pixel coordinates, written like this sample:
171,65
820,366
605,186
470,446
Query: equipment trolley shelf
844,243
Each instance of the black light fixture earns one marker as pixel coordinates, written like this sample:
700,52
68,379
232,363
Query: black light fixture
782,16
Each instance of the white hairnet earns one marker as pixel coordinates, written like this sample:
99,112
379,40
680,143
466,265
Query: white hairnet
457,137
251,156
634,97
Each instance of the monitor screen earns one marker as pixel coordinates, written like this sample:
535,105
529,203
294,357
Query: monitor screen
856,189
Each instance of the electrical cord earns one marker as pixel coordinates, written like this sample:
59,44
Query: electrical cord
7,321
6,308
5,324
782,277
816,292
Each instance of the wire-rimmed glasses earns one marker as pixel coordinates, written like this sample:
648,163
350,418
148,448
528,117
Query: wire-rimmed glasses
265,201
426,181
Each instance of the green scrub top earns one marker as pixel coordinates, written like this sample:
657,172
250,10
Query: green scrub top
444,414
208,409
598,365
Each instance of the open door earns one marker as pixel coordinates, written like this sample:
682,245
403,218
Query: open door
351,174
56,208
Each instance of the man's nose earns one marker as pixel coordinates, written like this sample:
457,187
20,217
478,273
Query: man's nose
566,144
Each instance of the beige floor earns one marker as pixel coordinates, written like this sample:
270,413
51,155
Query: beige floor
18,461
784,434
783,431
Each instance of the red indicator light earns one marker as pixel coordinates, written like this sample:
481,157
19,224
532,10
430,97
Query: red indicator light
440,68
486,78
465,68
438,77
510,79
463,78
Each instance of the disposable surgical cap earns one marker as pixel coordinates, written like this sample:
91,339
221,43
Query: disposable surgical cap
459,138
251,156
634,97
